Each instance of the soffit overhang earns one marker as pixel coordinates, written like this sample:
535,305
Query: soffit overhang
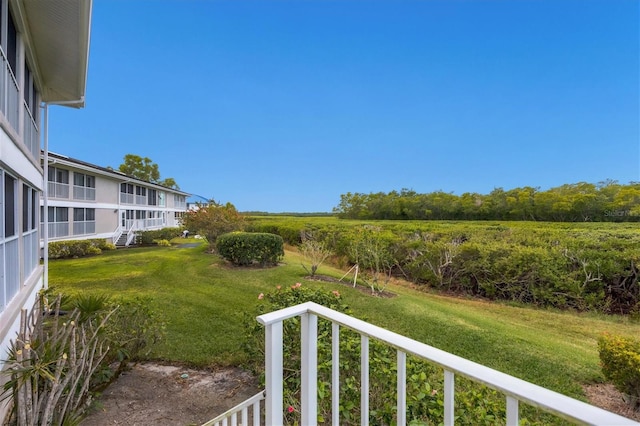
58,33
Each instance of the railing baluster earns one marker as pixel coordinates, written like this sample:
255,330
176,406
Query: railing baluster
449,397
244,419
402,389
309,342
256,414
234,419
225,422
274,376
364,380
512,411
335,374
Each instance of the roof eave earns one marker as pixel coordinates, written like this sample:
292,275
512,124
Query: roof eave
59,34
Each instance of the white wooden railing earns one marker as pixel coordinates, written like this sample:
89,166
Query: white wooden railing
240,414
117,233
515,390
131,233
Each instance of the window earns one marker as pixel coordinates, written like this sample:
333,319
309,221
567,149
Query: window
84,221
9,206
35,201
80,179
30,238
58,182
25,207
58,214
179,201
84,186
58,222
10,265
152,197
12,45
126,193
161,198
141,195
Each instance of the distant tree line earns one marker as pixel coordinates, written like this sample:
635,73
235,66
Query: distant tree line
607,201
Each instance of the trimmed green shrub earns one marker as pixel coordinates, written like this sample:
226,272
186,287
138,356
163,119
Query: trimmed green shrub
78,248
244,248
146,238
620,359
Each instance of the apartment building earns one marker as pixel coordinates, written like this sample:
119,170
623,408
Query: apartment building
89,201
44,51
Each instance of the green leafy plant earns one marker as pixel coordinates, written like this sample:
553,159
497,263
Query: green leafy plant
245,248
213,220
146,238
78,248
620,360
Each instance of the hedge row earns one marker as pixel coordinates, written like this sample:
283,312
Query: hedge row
78,248
243,248
150,237
591,267
620,359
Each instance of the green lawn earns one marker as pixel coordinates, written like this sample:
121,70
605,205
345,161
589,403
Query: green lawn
204,304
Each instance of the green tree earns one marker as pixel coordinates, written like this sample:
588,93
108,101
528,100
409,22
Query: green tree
214,220
144,168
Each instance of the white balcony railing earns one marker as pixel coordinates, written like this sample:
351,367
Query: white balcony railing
515,390
31,136
13,99
84,227
58,229
126,198
58,190
30,249
84,193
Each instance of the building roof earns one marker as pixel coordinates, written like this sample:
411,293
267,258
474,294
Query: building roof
58,32
115,174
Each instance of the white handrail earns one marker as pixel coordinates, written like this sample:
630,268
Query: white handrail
243,409
515,389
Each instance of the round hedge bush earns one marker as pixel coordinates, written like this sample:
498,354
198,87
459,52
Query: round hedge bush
246,248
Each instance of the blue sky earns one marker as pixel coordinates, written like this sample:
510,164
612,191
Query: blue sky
285,105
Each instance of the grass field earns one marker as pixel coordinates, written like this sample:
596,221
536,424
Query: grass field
205,303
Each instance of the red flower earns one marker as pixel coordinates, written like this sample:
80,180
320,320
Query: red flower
291,409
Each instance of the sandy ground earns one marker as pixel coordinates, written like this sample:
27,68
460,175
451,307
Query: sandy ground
153,394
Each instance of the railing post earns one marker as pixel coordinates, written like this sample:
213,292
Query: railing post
364,380
335,374
402,389
512,411
449,397
274,377
309,342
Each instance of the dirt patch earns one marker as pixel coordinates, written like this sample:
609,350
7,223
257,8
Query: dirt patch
606,396
162,395
171,395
